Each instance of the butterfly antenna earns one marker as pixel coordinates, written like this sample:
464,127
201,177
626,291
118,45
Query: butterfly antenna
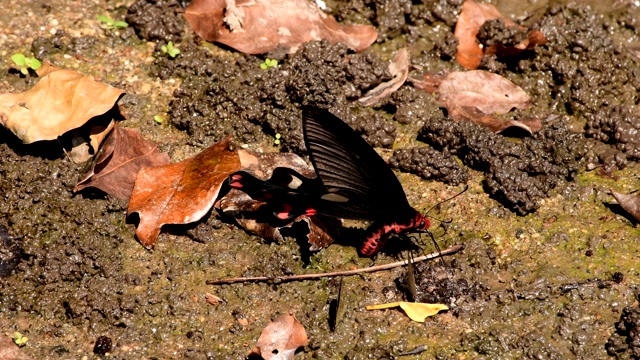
466,187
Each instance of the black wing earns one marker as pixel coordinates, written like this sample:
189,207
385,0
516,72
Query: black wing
358,182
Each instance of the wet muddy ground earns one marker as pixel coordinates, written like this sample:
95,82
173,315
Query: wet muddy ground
550,268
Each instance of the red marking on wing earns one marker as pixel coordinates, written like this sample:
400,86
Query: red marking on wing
285,213
235,184
310,212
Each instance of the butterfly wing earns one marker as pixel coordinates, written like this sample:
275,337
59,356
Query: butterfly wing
286,195
358,182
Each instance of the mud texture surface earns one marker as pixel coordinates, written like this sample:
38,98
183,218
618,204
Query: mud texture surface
550,265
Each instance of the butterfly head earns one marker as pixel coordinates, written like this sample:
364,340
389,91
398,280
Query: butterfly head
420,223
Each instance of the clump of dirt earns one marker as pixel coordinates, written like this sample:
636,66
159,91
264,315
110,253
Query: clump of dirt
44,47
10,251
495,32
518,174
395,18
62,243
157,20
625,342
265,102
429,164
618,126
573,73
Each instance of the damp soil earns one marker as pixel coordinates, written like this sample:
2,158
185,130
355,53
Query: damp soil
549,269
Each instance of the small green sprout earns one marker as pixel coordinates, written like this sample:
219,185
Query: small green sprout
112,24
278,139
158,119
268,63
170,49
20,339
25,63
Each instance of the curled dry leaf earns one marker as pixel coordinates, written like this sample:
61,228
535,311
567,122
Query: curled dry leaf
477,95
471,18
247,211
180,193
415,311
429,82
399,69
280,339
123,155
83,149
258,26
61,101
630,203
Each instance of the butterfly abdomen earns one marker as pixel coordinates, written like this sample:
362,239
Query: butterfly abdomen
378,233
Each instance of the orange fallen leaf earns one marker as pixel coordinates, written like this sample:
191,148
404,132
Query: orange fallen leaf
399,69
415,311
180,193
258,26
123,155
280,339
61,101
478,95
472,16
630,203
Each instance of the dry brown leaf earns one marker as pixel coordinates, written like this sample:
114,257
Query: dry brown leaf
399,69
478,95
96,131
429,82
281,338
61,101
247,211
488,92
258,26
123,155
180,193
472,16
630,203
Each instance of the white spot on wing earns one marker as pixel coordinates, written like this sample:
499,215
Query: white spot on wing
295,183
334,198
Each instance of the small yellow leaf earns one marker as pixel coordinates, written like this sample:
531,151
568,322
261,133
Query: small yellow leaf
383,306
416,311
420,311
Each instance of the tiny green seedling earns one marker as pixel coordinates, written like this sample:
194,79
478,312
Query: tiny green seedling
170,49
278,139
20,339
25,63
112,24
158,119
268,63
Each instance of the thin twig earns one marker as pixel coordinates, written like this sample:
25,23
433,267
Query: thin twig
278,279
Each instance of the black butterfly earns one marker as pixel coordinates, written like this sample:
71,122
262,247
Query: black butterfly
352,182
